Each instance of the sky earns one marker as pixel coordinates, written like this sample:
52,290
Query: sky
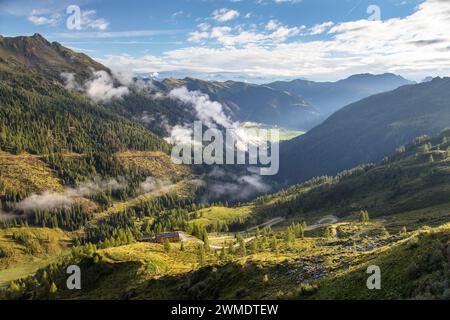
248,40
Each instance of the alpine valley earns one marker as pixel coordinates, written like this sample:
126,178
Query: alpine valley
86,179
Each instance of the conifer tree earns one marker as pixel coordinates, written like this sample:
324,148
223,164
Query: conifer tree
274,244
167,246
223,253
255,246
290,236
53,288
242,249
364,216
201,255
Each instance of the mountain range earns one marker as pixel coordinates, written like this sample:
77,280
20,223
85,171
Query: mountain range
298,104
364,131
329,97
368,130
246,102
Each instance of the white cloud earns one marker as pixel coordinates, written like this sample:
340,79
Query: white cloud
177,14
39,18
197,36
89,21
4,216
272,25
97,185
281,33
238,35
45,201
50,200
100,87
203,26
414,46
321,28
180,135
70,81
151,184
114,34
224,14
224,184
209,112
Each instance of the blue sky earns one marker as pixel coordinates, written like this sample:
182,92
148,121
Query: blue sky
246,39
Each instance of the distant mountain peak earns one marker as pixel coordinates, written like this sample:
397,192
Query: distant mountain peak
386,75
38,36
427,79
38,54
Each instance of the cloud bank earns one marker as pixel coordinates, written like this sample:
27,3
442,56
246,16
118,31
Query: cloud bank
100,87
151,184
50,200
212,115
414,46
45,201
220,184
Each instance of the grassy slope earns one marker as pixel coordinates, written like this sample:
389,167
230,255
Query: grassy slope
413,265
24,250
26,173
417,267
29,174
134,268
155,164
212,215
314,268
407,190
122,269
178,188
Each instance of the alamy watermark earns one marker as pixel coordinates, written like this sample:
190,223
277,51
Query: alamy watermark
375,12
259,149
74,20
374,280
74,280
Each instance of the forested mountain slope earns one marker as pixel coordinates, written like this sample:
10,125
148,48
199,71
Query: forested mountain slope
411,185
367,131
54,138
39,115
